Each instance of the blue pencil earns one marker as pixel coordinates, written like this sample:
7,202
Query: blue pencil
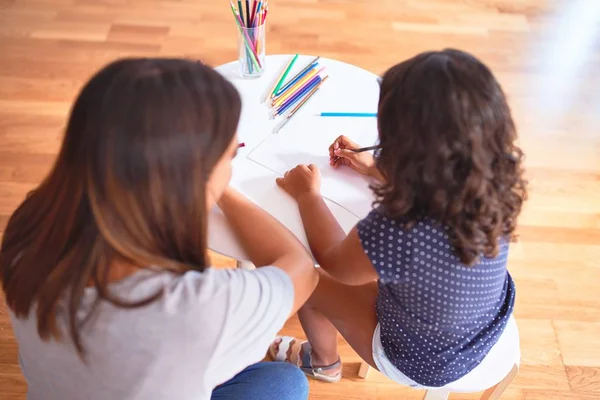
294,80
296,97
347,114
298,76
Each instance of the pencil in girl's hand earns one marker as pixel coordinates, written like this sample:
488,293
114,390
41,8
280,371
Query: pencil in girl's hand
362,149
241,145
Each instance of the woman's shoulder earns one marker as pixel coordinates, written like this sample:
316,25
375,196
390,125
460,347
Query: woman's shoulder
217,279
199,286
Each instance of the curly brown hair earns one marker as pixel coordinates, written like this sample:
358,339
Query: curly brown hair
447,151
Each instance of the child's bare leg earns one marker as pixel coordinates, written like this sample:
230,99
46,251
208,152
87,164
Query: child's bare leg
351,310
335,307
322,336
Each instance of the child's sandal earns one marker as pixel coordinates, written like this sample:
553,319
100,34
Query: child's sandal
306,363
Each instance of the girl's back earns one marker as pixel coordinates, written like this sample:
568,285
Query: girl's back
450,193
438,317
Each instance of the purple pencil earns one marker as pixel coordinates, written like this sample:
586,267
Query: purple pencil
296,97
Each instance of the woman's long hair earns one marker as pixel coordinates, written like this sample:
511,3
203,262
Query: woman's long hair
129,183
448,151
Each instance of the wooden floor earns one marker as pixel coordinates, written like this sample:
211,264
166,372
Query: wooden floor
546,53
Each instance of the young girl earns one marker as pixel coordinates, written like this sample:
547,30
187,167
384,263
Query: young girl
105,265
419,288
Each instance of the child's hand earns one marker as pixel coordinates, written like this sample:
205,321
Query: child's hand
302,180
340,153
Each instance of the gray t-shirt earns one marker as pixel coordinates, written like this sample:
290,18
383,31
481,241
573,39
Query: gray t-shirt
203,330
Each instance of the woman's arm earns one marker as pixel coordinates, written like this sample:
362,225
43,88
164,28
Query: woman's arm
267,242
342,257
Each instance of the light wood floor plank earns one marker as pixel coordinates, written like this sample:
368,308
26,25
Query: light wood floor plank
545,53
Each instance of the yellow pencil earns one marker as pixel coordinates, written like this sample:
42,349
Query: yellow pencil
306,98
292,90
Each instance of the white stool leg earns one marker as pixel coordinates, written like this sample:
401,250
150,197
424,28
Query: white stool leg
364,369
496,391
245,264
439,394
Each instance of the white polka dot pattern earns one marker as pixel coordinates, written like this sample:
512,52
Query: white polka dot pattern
438,317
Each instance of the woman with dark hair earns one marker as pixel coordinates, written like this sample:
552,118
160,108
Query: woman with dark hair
419,288
105,267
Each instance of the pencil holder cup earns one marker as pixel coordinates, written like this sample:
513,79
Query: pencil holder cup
251,51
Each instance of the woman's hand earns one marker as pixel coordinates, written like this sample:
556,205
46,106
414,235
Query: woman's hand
300,181
340,153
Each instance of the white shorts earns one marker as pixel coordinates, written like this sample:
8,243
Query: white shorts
385,366
492,369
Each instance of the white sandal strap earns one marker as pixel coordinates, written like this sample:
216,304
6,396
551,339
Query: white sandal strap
284,346
295,353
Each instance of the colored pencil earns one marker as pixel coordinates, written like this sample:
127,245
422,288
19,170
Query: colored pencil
298,96
247,13
265,14
253,14
241,145
298,76
287,71
308,96
272,87
258,15
305,100
360,150
278,100
258,23
247,40
250,34
240,8
364,149
347,114
241,11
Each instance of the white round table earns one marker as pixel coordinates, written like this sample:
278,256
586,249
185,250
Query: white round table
348,89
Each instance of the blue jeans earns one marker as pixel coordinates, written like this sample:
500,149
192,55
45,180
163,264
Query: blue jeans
265,381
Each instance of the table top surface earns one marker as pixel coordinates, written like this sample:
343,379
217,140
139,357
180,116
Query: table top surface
348,88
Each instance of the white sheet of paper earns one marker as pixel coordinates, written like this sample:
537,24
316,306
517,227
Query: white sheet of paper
307,141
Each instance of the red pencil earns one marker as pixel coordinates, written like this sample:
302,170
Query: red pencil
241,145
253,15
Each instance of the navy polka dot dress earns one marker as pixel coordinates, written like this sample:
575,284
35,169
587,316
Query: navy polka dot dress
438,318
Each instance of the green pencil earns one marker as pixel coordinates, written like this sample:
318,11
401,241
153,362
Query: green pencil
238,21
282,79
